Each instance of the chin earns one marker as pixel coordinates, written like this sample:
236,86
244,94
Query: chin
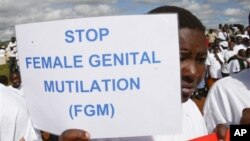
185,97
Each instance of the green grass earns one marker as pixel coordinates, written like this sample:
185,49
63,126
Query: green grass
4,70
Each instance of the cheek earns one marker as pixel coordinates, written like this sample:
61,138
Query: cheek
184,68
198,70
201,69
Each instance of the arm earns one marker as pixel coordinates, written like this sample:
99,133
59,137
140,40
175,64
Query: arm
218,58
240,57
215,106
221,129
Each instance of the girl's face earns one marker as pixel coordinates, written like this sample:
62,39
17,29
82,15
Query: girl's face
193,52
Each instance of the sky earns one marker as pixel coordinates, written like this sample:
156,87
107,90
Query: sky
211,12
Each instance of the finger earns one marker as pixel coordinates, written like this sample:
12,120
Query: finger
74,134
245,119
22,139
221,130
45,135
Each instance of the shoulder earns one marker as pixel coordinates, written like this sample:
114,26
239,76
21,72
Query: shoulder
229,86
239,78
11,100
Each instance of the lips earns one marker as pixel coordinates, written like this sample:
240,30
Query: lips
187,89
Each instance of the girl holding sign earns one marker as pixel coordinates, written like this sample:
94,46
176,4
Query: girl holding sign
193,53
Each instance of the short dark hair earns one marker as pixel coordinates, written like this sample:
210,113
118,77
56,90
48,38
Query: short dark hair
186,18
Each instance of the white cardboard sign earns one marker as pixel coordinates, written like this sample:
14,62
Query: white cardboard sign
115,76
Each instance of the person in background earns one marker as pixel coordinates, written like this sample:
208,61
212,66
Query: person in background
219,28
2,56
227,100
211,36
16,124
241,44
214,64
237,64
247,32
238,40
11,51
193,53
227,54
16,82
224,37
245,42
248,56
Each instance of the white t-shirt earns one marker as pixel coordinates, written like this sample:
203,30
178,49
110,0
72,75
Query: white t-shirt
193,126
17,90
234,66
11,49
15,122
226,100
215,66
223,36
226,55
238,47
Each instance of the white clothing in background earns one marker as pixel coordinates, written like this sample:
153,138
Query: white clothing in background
226,100
193,126
245,35
17,90
234,66
215,66
2,57
15,121
248,60
211,37
11,49
226,55
223,36
238,47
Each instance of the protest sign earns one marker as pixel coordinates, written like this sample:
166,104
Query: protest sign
112,76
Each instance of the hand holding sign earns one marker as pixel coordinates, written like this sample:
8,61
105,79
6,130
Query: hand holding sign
245,119
74,135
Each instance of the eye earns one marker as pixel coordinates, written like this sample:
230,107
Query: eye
184,56
181,58
201,60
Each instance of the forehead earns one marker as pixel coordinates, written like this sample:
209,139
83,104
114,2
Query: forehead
192,39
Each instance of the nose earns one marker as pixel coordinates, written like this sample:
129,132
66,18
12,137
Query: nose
189,72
